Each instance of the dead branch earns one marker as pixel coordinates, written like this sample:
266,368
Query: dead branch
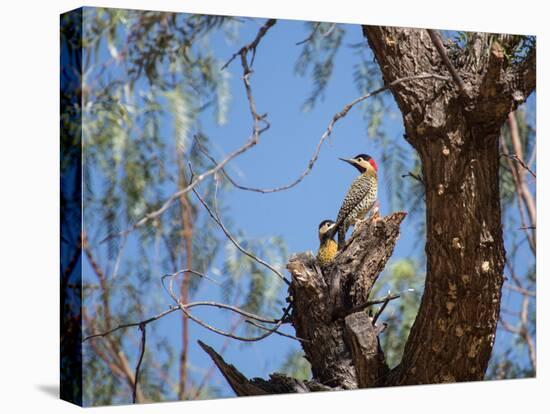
365,350
277,384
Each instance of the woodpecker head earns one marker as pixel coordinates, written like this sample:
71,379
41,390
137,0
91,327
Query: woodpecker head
363,163
325,228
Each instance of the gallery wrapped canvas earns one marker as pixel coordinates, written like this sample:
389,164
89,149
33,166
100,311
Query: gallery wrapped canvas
256,206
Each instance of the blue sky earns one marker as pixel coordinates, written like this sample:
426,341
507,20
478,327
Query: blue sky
280,157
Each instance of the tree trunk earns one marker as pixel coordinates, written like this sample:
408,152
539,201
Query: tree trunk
455,129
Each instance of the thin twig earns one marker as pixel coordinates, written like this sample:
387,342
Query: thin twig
377,301
311,35
190,305
326,134
236,243
257,130
276,331
252,45
175,196
414,176
233,309
507,327
188,271
377,315
219,305
518,151
516,158
436,40
330,30
533,155
520,290
524,199
524,332
132,324
143,329
231,335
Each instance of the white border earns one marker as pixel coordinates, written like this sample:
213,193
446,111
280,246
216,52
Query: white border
29,206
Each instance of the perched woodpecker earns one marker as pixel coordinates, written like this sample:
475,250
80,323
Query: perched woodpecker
360,197
327,246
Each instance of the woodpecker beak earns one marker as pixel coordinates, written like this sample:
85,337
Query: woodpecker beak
348,160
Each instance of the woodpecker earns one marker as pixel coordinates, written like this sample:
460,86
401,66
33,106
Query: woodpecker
327,246
360,197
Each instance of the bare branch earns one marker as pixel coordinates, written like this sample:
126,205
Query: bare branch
377,315
217,219
142,328
524,198
367,356
520,290
509,328
514,157
436,40
377,301
524,332
276,331
184,308
277,383
257,130
132,324
184,271
326,134
413,176
233,309
230,334
253,45
311,35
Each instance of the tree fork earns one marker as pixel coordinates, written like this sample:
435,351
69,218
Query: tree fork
344,352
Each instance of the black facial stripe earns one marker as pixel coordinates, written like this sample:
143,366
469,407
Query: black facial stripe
325,222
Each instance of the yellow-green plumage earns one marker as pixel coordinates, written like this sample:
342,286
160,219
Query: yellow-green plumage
327,251
327,246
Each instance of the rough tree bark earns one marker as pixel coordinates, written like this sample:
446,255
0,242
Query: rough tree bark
455,129
454,126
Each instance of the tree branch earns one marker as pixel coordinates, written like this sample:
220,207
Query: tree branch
368,358
257,130
218,221
142,328
252,46
436,39
277,384
326,134
311,35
